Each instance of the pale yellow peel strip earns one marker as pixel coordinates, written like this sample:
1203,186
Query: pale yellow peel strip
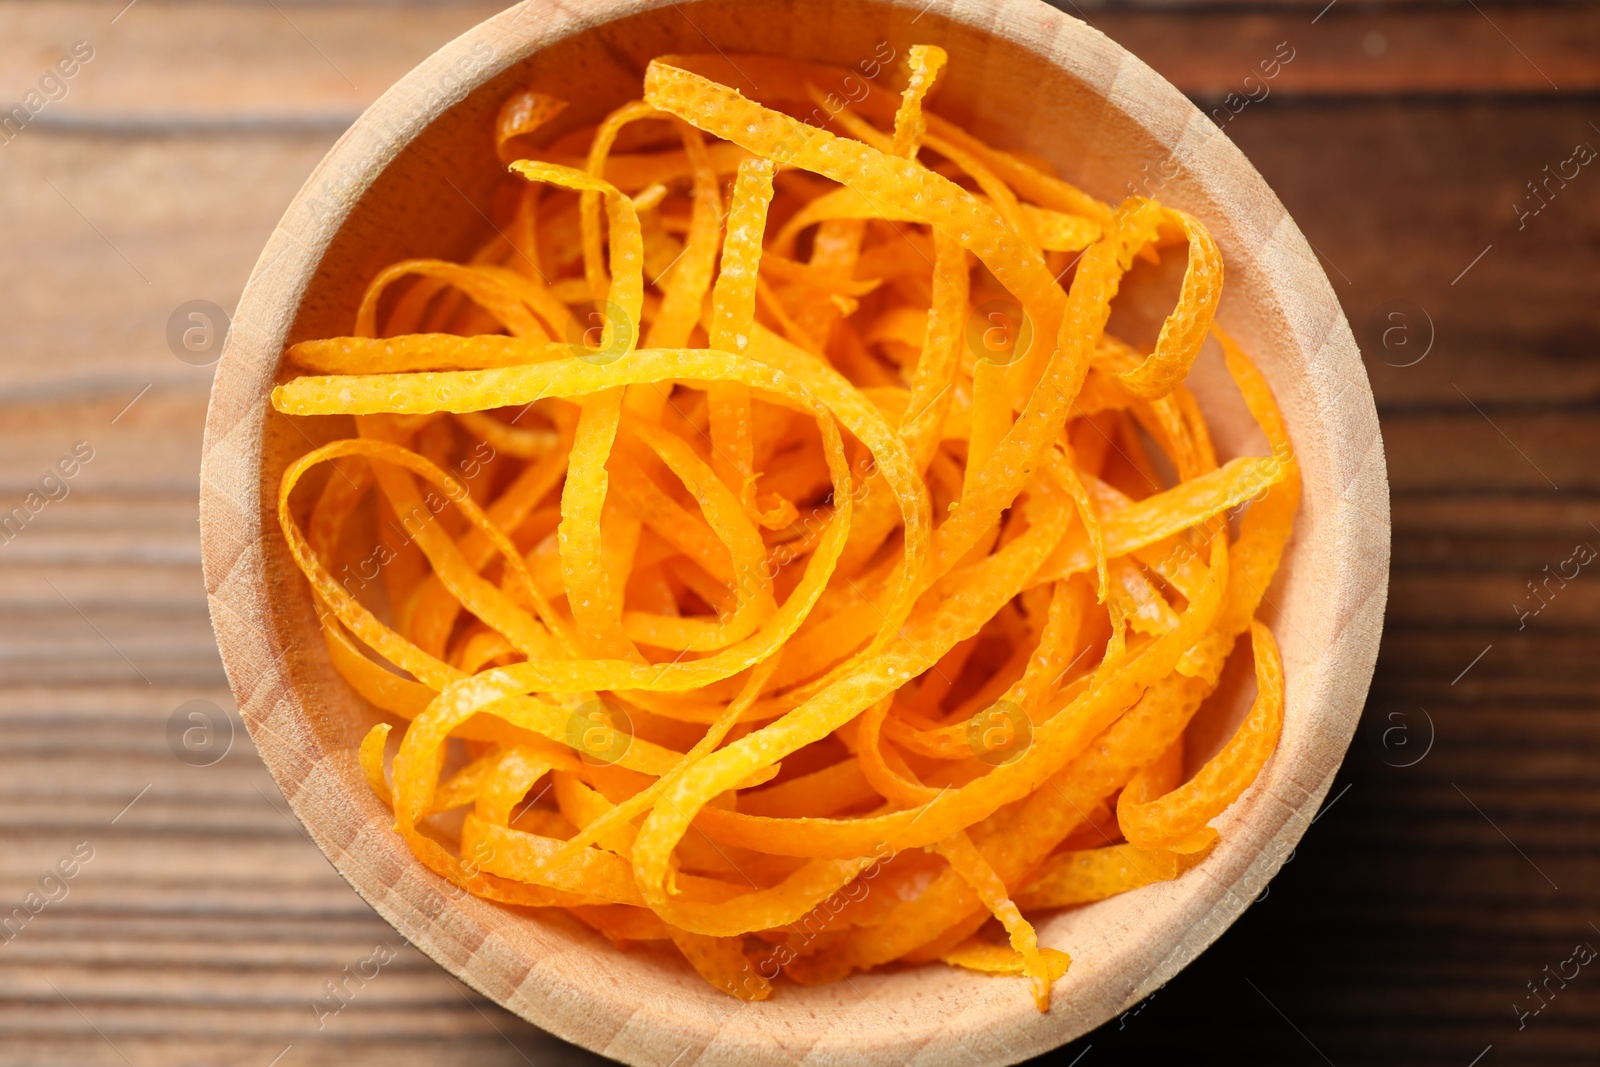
733,302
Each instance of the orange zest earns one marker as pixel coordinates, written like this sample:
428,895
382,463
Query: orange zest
762,545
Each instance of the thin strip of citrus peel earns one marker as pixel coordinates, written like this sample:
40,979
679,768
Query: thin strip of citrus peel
739,593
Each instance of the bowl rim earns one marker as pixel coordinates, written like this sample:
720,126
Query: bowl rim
235,512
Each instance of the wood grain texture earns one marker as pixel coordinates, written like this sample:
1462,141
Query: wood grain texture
406,180
1362,50
1401,932
223,65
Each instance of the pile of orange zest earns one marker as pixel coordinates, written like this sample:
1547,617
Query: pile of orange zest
761,544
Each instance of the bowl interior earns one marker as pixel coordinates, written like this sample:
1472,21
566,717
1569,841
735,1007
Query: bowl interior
416,177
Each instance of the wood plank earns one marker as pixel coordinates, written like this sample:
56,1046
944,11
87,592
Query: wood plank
1439,180
145,224
1361,50
241,65
1495,448
1504,515
1448,597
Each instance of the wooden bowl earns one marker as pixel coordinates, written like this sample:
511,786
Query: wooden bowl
409,179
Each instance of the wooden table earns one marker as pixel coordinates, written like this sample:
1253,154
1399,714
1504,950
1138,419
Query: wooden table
1457,861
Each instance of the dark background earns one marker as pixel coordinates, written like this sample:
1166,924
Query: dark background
1455,861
